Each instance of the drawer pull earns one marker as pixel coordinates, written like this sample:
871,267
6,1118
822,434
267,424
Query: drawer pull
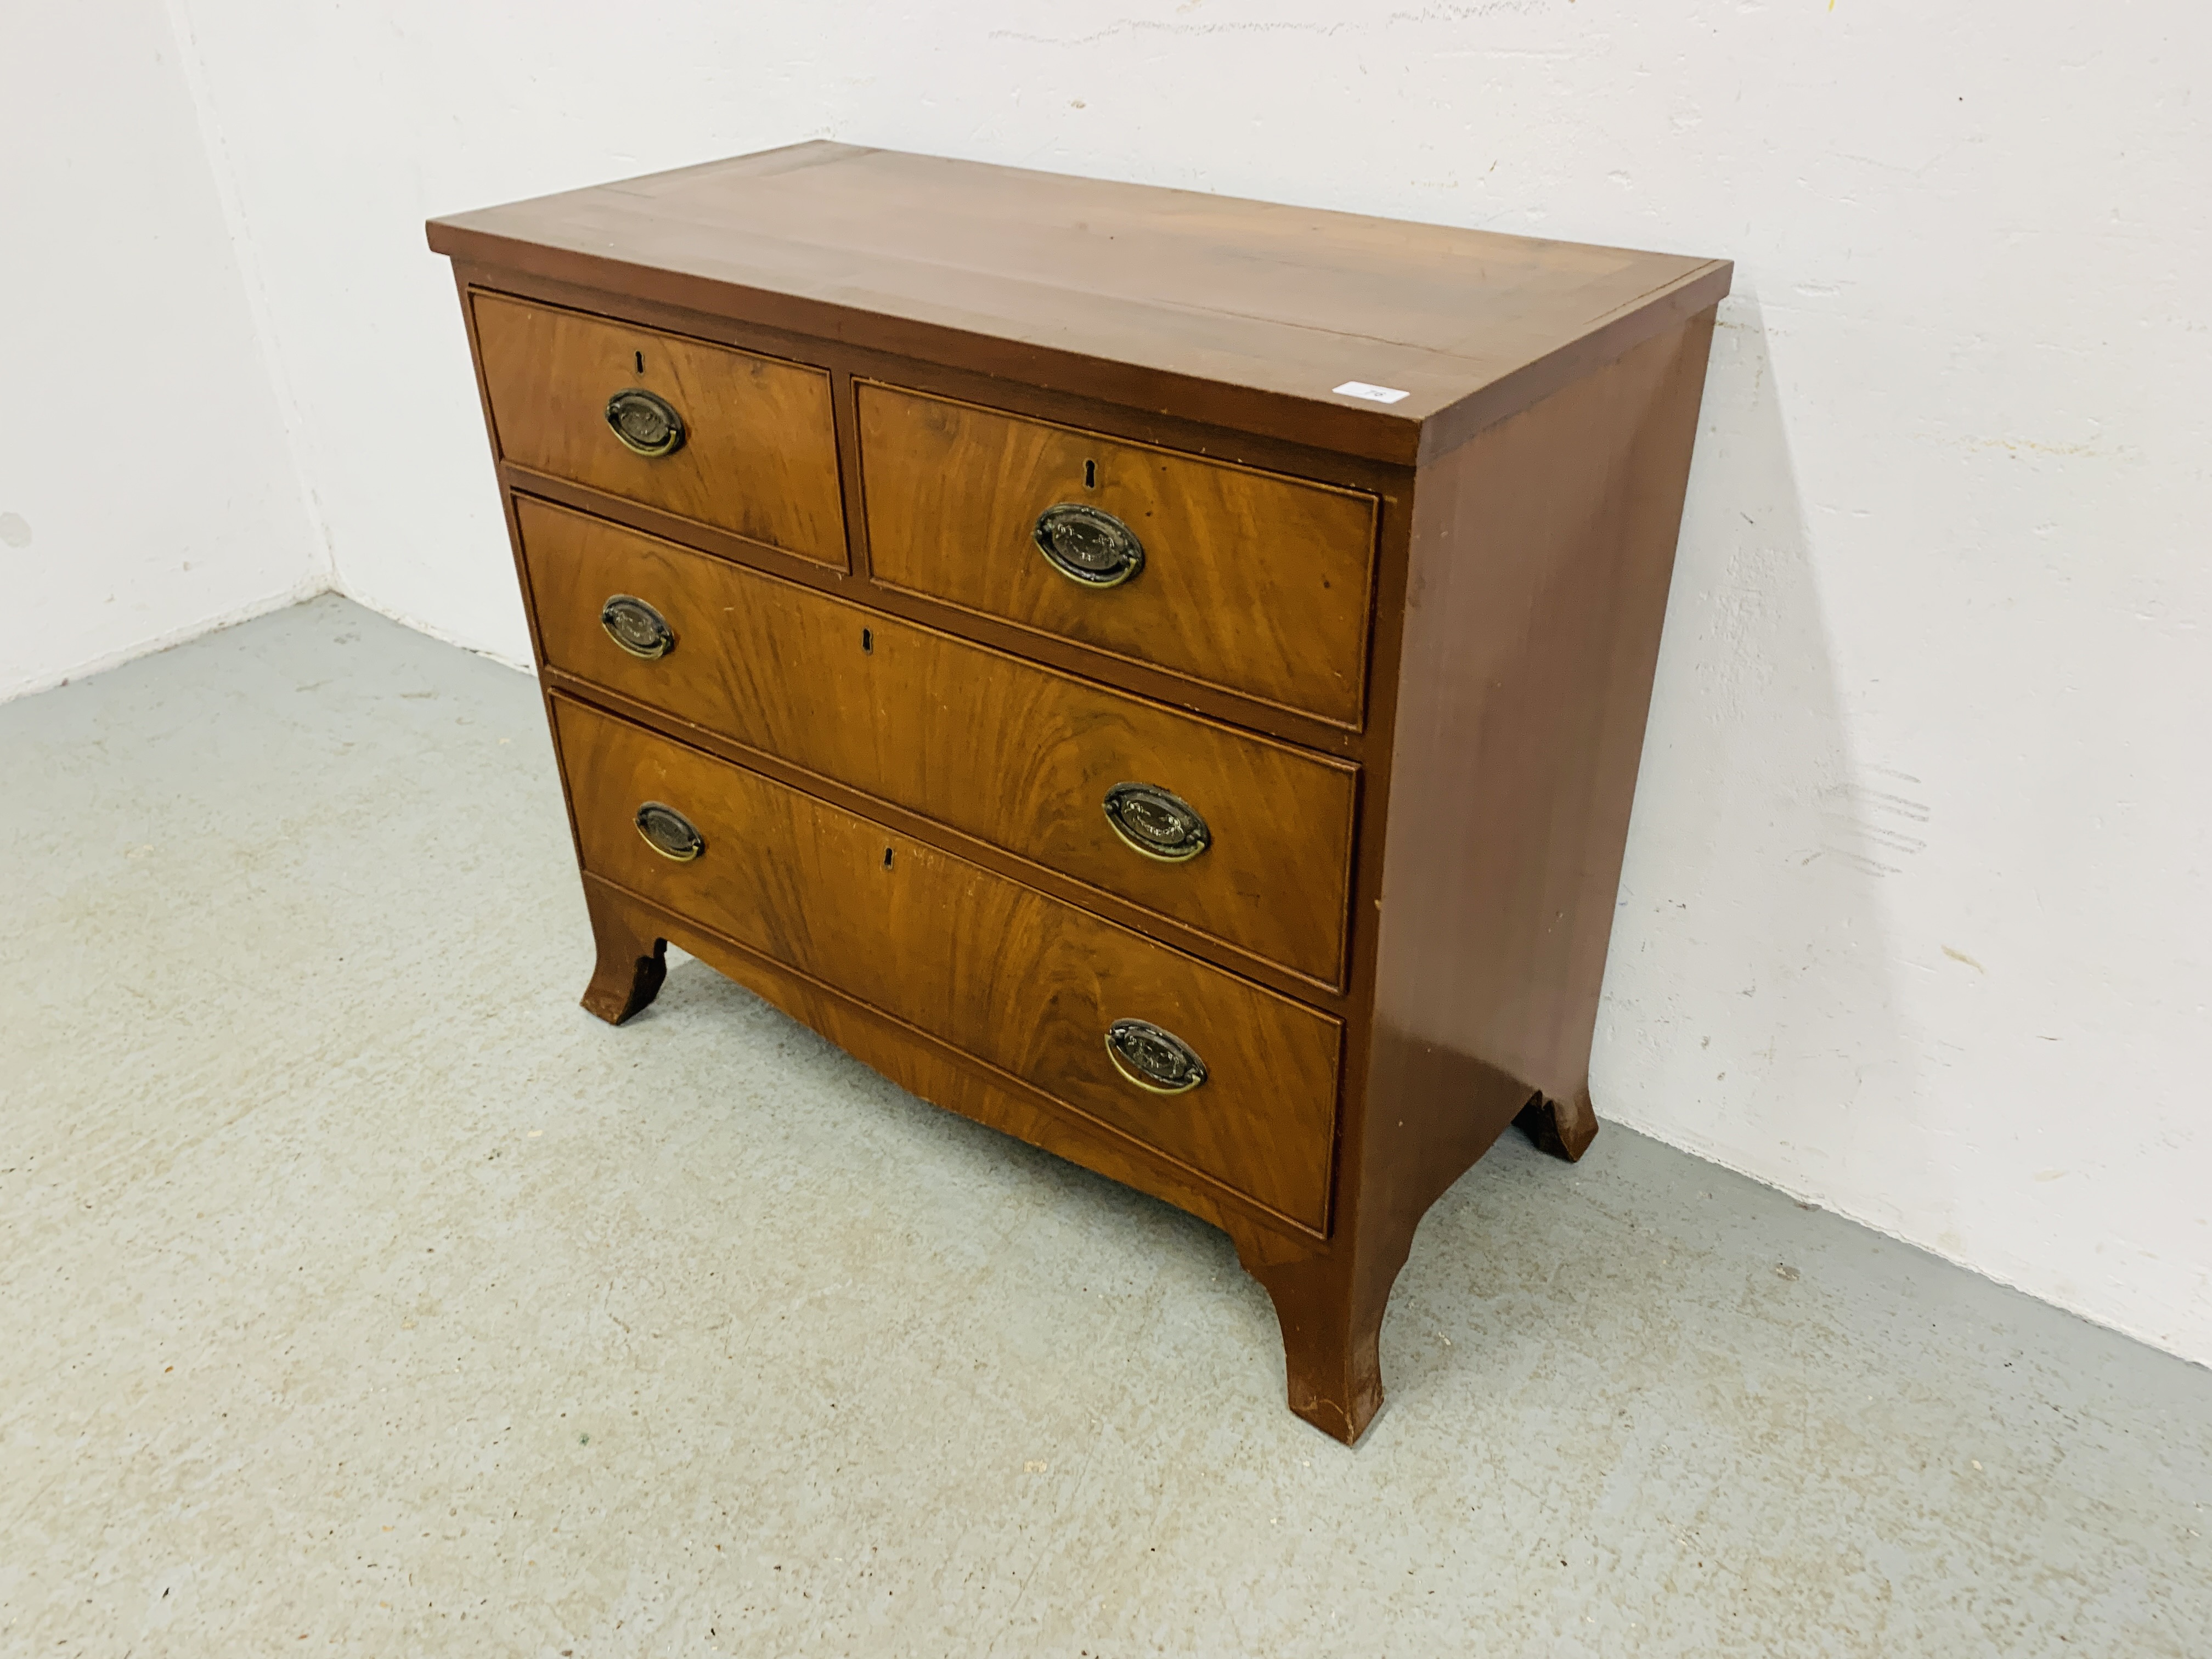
636,627
1087,546
1153,1060
1156,823
647,425
669,833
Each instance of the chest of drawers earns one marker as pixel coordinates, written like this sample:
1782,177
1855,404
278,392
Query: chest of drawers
1161,675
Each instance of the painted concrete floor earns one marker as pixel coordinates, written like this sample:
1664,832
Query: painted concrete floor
359,1293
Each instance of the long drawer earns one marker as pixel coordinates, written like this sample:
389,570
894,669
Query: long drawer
747,442
1018,980
1231,577
996,748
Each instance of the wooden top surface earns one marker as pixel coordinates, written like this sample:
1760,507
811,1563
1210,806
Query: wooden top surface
1240,313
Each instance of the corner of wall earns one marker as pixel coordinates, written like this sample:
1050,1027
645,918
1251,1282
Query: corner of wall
252,281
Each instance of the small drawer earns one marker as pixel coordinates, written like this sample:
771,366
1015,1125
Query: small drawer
1245,581
728,439
1218,1073
1252,844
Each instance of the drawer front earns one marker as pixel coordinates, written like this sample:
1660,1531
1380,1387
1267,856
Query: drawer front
1249,582
994,747
758,454
1018,980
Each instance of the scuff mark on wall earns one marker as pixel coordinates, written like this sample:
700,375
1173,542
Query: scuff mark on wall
1865,822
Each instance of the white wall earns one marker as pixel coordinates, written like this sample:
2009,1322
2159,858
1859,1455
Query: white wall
147,492
1915,914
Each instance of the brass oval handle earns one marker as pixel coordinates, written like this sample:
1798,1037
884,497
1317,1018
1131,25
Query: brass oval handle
669,833
1087,546
1156,823
1154,1060
636,627
647,425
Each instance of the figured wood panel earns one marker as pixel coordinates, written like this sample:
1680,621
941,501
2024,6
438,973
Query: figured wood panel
957,1082
1252,582
999,971
760,454
994,747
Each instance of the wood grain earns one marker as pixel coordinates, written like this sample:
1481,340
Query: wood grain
935,1070
633,963
760,457
1252,582
1242,313
1538,567
996,748
1542,553
1000,972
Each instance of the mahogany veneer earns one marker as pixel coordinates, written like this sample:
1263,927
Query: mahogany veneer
885,521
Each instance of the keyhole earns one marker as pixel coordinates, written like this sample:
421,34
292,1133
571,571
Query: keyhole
1090,475
887,858
640,362
867,639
